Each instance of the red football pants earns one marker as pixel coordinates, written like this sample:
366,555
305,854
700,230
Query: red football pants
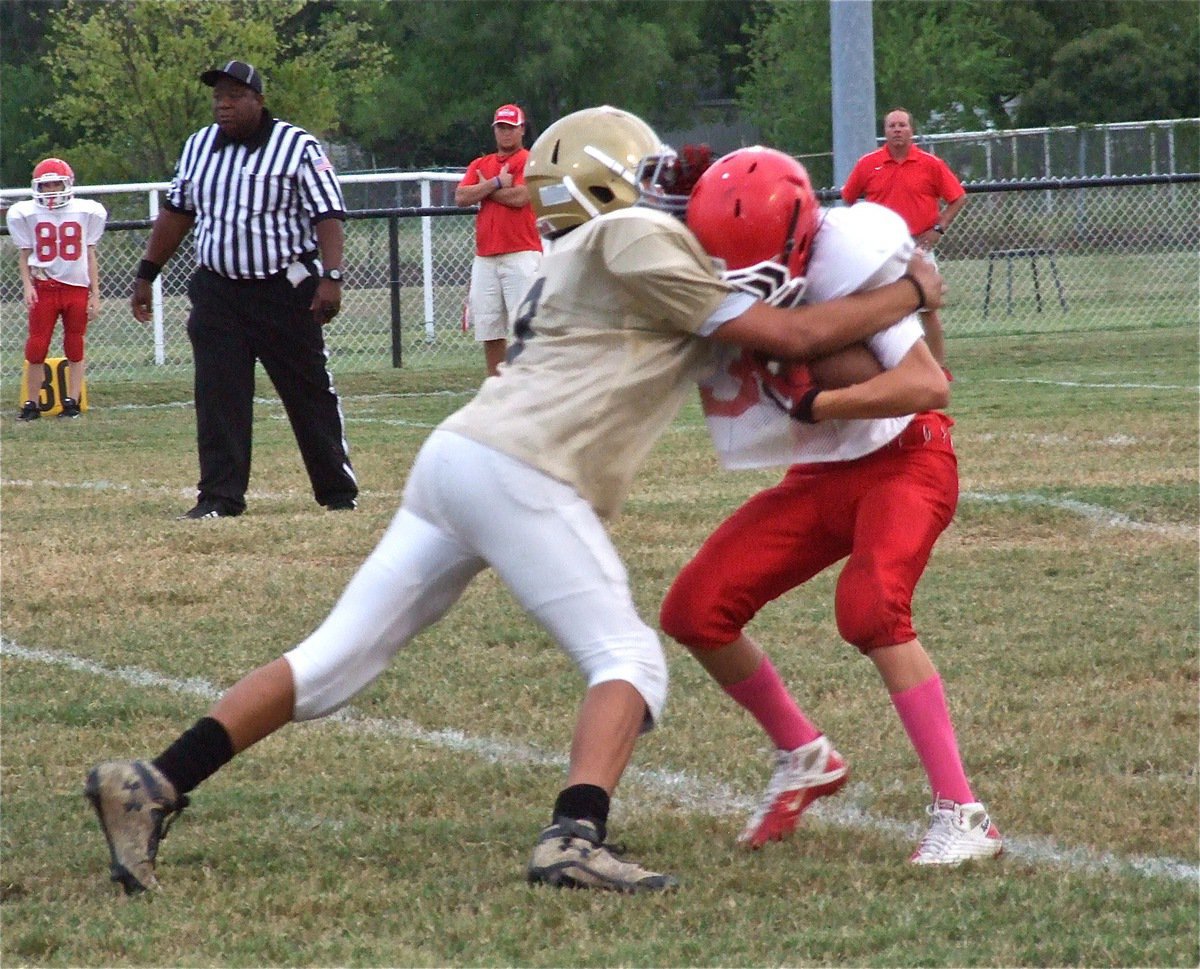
884,511
55,299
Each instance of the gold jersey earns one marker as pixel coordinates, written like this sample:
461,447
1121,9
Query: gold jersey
618,313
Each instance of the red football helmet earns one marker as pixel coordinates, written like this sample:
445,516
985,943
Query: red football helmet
49,171
755,209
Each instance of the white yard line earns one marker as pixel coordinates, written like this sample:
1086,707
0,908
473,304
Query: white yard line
1097,514
700,795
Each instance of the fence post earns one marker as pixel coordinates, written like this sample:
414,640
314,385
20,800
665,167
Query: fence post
1047,196
394,287
427,259
156,299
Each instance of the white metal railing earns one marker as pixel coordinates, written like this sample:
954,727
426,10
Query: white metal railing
152,191
1125,251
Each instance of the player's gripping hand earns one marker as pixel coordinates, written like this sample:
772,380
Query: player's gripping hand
925,276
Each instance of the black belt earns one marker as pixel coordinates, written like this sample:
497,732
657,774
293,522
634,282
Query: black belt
308,259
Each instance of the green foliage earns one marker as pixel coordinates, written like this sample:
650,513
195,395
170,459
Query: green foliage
944,61
789,66
127,74
24,88
1129,79
1113,72
962,64
112,85
436,106
26,91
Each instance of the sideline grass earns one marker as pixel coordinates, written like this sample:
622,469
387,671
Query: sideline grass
1060,606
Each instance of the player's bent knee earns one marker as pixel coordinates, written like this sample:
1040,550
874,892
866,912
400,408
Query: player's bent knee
869,622
699,615
638,661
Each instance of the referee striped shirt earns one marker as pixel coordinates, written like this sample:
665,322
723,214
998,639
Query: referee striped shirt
255,201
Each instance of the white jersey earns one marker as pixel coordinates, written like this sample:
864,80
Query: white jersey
855,249
58,239
618,311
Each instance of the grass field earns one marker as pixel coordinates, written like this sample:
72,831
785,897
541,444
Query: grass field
1061,607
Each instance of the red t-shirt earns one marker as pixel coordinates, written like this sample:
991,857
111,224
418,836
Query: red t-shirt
911,187
501,228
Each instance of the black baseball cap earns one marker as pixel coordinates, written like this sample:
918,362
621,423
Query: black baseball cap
240,71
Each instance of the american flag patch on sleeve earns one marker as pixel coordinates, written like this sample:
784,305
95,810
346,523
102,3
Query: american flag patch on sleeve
321,163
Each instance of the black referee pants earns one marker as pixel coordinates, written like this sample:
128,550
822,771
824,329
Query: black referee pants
233,323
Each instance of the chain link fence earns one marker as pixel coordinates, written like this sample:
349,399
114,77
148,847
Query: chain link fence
1072,151
1063,255
1168,147
1022,257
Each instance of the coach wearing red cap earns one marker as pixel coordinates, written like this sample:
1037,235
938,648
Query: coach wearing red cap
508,248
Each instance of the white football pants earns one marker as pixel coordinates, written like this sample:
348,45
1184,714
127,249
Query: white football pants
465,507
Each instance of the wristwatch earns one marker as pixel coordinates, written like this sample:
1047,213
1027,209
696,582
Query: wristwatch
938,229
334,274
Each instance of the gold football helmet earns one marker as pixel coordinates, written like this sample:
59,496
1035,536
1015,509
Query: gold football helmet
585,164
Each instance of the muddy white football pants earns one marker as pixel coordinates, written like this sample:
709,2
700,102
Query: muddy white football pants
467,506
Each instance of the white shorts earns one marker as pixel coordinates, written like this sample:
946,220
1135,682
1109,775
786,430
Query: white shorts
467,506
498,284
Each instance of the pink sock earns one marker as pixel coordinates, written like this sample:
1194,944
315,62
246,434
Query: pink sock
767,699
926,719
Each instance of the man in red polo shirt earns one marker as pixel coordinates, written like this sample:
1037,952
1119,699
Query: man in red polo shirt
508,248
913,183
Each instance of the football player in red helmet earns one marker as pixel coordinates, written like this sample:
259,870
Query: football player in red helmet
872,479
755,209
56,236
53,183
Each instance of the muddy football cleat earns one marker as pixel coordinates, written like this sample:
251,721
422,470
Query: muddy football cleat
801,776
957,833
135,805
569,854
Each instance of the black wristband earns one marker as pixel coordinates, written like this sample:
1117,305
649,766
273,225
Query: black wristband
920,292
802,410
148,270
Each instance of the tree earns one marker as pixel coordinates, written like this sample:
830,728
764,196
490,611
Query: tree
1111,74
943,60
127,79
26,87
455,62
1078,62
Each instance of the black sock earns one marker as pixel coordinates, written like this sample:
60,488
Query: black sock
199,753
585,802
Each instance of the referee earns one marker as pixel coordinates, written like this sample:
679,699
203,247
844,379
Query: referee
268,214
